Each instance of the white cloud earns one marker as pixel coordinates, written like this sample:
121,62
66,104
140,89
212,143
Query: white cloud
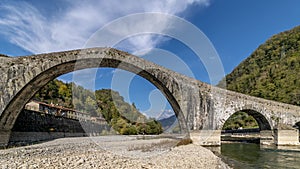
69,28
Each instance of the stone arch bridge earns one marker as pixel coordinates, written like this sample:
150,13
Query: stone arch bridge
200,107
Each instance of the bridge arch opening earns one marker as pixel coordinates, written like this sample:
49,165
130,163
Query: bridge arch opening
297,125
247,116
50,116
248,123
13,109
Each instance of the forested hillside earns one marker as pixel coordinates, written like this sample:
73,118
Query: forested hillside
123,117
272,71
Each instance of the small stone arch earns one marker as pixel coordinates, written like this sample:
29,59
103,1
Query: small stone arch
262,121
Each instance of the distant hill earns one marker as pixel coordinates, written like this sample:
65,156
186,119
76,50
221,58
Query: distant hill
272,71
167,122
165,114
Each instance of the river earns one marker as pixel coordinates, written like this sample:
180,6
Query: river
248,155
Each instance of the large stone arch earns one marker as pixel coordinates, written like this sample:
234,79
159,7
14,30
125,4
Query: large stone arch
160,77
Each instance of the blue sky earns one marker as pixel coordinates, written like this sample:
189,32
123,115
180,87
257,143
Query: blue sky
234,27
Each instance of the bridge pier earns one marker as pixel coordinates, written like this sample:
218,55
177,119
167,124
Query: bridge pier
286,137
206,137
266,137
280,137
4,137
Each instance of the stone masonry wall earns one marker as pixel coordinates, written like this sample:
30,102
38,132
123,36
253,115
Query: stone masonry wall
33,126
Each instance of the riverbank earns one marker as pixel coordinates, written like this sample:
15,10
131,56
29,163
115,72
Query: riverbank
109,152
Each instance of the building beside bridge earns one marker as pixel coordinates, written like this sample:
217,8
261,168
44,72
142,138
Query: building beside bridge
57,110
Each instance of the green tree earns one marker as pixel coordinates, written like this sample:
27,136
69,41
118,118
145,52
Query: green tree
90,106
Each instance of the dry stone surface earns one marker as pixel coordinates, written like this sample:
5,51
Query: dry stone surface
87,153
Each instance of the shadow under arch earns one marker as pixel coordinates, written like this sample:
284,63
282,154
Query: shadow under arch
15,106
261,120
297,126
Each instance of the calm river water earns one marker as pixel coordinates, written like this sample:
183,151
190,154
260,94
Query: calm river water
246,155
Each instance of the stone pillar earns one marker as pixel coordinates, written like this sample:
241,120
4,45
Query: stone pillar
4,137
206,137
266,137
286,137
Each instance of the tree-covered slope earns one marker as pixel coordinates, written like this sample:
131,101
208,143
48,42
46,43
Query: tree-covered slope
123,117
272,71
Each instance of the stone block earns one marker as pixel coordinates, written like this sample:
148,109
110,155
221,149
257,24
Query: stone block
206,137
286,137
4,137
266,137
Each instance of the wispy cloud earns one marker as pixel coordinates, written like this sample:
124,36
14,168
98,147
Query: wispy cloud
24,24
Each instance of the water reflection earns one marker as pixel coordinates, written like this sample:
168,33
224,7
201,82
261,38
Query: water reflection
245,155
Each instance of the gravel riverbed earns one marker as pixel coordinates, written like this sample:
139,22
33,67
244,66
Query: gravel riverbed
109,152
